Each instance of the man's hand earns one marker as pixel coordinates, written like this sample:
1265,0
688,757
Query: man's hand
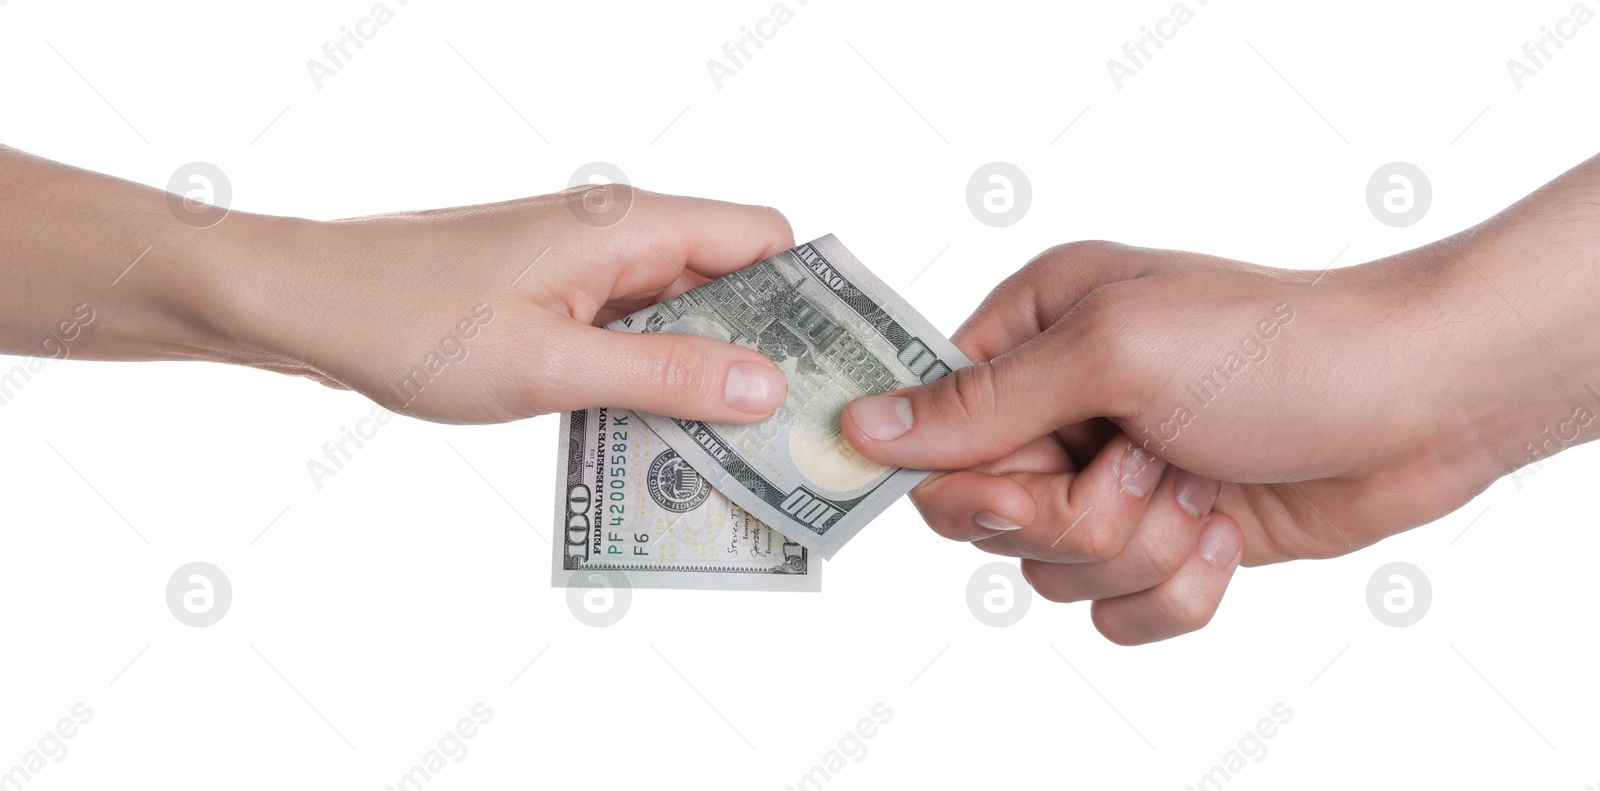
1115,387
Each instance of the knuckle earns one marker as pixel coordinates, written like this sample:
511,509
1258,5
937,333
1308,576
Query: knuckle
1113,626
1082,250
782,232
602,205
1123,636
1082,536
1191,612
1081,544
971,393
1088,541
935,506
1101,540
1104,327
1001,546
1165,557
954,530
682,373
1042,578
1074,260
1109,338
937,513
778,217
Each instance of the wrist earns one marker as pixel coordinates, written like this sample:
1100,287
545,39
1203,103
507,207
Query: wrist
184,285
230,296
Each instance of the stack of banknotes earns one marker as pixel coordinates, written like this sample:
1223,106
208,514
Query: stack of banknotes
667,503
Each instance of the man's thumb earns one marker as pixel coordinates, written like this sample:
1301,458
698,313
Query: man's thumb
976,414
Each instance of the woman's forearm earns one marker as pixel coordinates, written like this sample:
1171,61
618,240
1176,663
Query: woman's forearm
94,267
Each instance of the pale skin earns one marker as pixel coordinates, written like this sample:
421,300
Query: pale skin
1087,442
1095,439
363,303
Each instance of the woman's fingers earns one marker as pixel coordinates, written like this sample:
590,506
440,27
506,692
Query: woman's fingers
665,374
708,237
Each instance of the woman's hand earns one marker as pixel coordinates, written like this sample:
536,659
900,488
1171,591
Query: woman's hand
488,313
467,315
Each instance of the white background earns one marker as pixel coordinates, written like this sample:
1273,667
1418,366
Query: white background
373,614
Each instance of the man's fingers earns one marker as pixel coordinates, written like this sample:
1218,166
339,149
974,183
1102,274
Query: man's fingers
1075,371
1041,292
1082,441
1167,533
970,505
1052,351
661,373
1090,516
1081,518
1183,603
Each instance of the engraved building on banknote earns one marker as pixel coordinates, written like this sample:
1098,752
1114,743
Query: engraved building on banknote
766,306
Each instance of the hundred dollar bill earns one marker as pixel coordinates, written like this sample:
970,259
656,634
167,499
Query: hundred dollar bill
838,333
629,504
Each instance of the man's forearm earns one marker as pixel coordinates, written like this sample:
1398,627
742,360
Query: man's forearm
1506,328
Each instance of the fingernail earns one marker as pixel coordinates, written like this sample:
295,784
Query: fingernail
754,388
882,417
1196,493
1218,542
1141,470
992,521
